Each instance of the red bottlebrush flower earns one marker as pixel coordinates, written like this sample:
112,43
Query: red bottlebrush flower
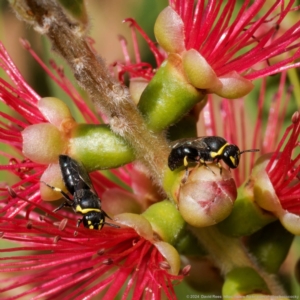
238,43
138,68
283,169
220,53
75,263
279,192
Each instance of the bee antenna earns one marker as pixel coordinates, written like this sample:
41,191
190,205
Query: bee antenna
105,214
109,224
112,225
250,150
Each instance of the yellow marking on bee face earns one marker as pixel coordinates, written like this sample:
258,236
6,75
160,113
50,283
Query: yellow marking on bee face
89,222
85,210
185,162
220,151
232,160
91,227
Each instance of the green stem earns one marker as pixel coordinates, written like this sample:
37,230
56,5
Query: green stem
229,253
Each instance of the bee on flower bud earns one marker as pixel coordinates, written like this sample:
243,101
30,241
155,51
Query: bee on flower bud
203,150
85,200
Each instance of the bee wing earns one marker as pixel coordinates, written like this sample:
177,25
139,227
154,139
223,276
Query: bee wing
84,180
196,142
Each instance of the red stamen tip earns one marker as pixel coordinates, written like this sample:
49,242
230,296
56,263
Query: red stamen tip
296,117
25,44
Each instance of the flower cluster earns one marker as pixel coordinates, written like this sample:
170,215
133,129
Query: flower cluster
168,221
86,254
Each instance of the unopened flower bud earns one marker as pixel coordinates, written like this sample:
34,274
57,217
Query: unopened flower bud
43,143
169,31
207,197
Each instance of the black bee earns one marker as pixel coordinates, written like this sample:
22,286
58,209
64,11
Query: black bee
85,200
204,149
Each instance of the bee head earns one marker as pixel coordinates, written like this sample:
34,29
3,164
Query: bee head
231,155
93,220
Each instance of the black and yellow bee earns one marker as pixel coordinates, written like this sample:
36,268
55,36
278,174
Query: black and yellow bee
204,149
85,200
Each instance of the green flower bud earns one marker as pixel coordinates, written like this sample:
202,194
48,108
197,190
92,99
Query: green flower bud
270,246
172,183
244,281
165,220
168,96
97,147
245,208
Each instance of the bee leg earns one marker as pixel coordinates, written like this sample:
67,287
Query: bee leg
220,167
112,225
105,214
78,222
208,168
185,163
68,201
64,204
186,175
